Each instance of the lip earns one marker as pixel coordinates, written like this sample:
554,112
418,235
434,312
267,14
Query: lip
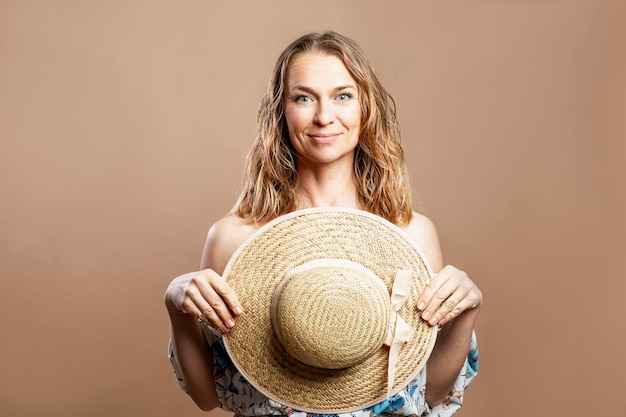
323,137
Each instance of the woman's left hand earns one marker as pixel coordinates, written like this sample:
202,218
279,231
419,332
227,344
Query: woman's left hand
450,293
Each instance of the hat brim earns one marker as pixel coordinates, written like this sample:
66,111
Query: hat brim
258,266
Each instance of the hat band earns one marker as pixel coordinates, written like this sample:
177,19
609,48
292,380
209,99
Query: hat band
399,330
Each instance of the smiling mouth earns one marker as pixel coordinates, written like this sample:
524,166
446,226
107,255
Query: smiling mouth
324,138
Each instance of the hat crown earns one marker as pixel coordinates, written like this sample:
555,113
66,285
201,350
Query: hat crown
331,313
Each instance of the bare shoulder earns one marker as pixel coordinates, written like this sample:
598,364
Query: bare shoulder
223,239
424,233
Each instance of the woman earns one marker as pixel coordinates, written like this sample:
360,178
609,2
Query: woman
327,136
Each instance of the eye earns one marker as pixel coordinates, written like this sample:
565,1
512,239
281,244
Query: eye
344,97
302,99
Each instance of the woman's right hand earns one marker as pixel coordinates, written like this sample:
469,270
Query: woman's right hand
206,296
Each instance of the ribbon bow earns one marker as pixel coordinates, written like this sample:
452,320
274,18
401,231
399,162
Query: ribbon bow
399,331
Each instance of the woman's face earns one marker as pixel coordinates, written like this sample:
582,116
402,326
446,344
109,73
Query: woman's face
322,109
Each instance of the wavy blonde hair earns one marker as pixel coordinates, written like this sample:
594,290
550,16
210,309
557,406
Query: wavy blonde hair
271,178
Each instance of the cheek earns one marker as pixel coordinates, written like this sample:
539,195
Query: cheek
353,117
290,129
292,120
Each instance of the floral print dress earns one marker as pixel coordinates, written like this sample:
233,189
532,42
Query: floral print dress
237,395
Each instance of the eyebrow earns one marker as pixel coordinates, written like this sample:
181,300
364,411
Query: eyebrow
312,91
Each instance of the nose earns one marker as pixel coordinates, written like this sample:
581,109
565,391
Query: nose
324,114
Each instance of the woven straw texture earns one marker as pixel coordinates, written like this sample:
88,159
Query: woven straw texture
343,320
261,263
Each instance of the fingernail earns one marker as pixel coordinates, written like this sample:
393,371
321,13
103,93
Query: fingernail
421,305
224,329
238,310
230,323
426,315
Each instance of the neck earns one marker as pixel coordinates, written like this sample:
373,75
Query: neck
327,187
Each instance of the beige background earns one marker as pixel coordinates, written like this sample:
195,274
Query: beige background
123,125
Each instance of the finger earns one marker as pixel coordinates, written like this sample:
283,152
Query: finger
218,310
432,293
428,294
196,304
464,305
214,310
211,317
466,297
226,292
190,308
435,309
452,306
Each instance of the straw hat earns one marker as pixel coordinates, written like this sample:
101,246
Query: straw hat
330,323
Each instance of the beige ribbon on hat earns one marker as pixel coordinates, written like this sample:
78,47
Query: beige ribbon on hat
399,331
